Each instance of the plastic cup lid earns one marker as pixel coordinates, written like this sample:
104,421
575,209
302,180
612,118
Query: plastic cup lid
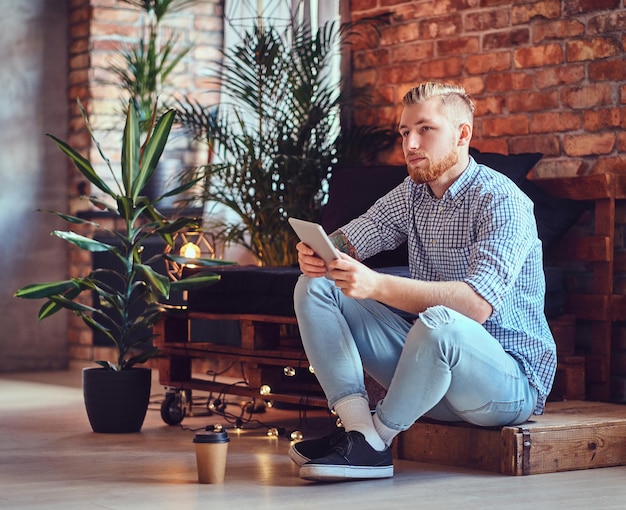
211,436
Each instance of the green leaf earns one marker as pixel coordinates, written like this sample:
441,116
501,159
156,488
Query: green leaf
152,151
195,282
199,262
45,290
50,307
131,147
157,281
83,165
83,242
72,305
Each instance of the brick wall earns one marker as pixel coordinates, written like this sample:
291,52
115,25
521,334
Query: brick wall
547,76
97,31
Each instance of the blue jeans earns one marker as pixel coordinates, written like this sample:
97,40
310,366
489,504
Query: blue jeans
444,365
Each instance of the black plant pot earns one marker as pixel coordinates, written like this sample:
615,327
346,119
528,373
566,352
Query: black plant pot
116,402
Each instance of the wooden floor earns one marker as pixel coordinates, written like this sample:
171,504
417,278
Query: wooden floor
50,459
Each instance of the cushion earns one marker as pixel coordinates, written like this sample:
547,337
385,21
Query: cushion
514,166
554,215
249,290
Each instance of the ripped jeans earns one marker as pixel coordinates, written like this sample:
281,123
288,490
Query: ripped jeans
444,366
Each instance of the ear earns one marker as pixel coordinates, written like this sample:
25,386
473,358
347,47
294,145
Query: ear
465,134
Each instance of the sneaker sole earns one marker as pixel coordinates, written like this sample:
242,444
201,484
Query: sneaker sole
297,457
326,473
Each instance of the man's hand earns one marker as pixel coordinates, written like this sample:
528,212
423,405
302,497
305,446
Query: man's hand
355,279
310,264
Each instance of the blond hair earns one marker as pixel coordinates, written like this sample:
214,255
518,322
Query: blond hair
456,104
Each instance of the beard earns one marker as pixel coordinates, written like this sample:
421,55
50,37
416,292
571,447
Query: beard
428,170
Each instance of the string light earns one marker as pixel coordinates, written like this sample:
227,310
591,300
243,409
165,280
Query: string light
311,369
296,435
265,389
289,371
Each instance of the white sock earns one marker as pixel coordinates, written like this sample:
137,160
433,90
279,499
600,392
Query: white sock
354,412
385,433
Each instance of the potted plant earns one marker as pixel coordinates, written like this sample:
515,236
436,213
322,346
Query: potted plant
115,318
276,135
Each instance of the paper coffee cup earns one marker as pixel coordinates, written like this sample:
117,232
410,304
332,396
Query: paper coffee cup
211,449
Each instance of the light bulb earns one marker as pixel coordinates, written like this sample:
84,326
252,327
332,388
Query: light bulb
311,369
289,371
296,435
218,427
272,432
338,423
265,390
190,250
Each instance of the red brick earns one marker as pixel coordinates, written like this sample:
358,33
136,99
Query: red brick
548,9
371,59
555,121
559,29
538,56
505,82
555,76
397,74
506,39
398,34
532,101
546,145
608,70
573,7
493,145
598,48
474,85
488,62
487,20
621,142
363,5
458,46
491,105
588,96
604,119
607,165
364,78
441,27
412,52
448,68
588,144
512,125
613,21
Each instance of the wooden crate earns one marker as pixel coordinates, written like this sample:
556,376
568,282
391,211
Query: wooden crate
568,436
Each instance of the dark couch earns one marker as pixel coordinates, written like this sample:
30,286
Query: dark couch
269,290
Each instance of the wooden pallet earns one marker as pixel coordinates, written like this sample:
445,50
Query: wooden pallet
568,436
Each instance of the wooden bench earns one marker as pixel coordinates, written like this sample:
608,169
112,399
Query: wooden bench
568,436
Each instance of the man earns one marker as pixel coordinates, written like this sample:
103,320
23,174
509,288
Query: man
479,349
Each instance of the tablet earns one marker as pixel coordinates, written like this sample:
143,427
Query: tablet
313,236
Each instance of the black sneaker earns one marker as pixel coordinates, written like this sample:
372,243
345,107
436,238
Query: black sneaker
351,458
303,451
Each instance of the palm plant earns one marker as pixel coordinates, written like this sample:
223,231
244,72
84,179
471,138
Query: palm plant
276,135
136,281
147,65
